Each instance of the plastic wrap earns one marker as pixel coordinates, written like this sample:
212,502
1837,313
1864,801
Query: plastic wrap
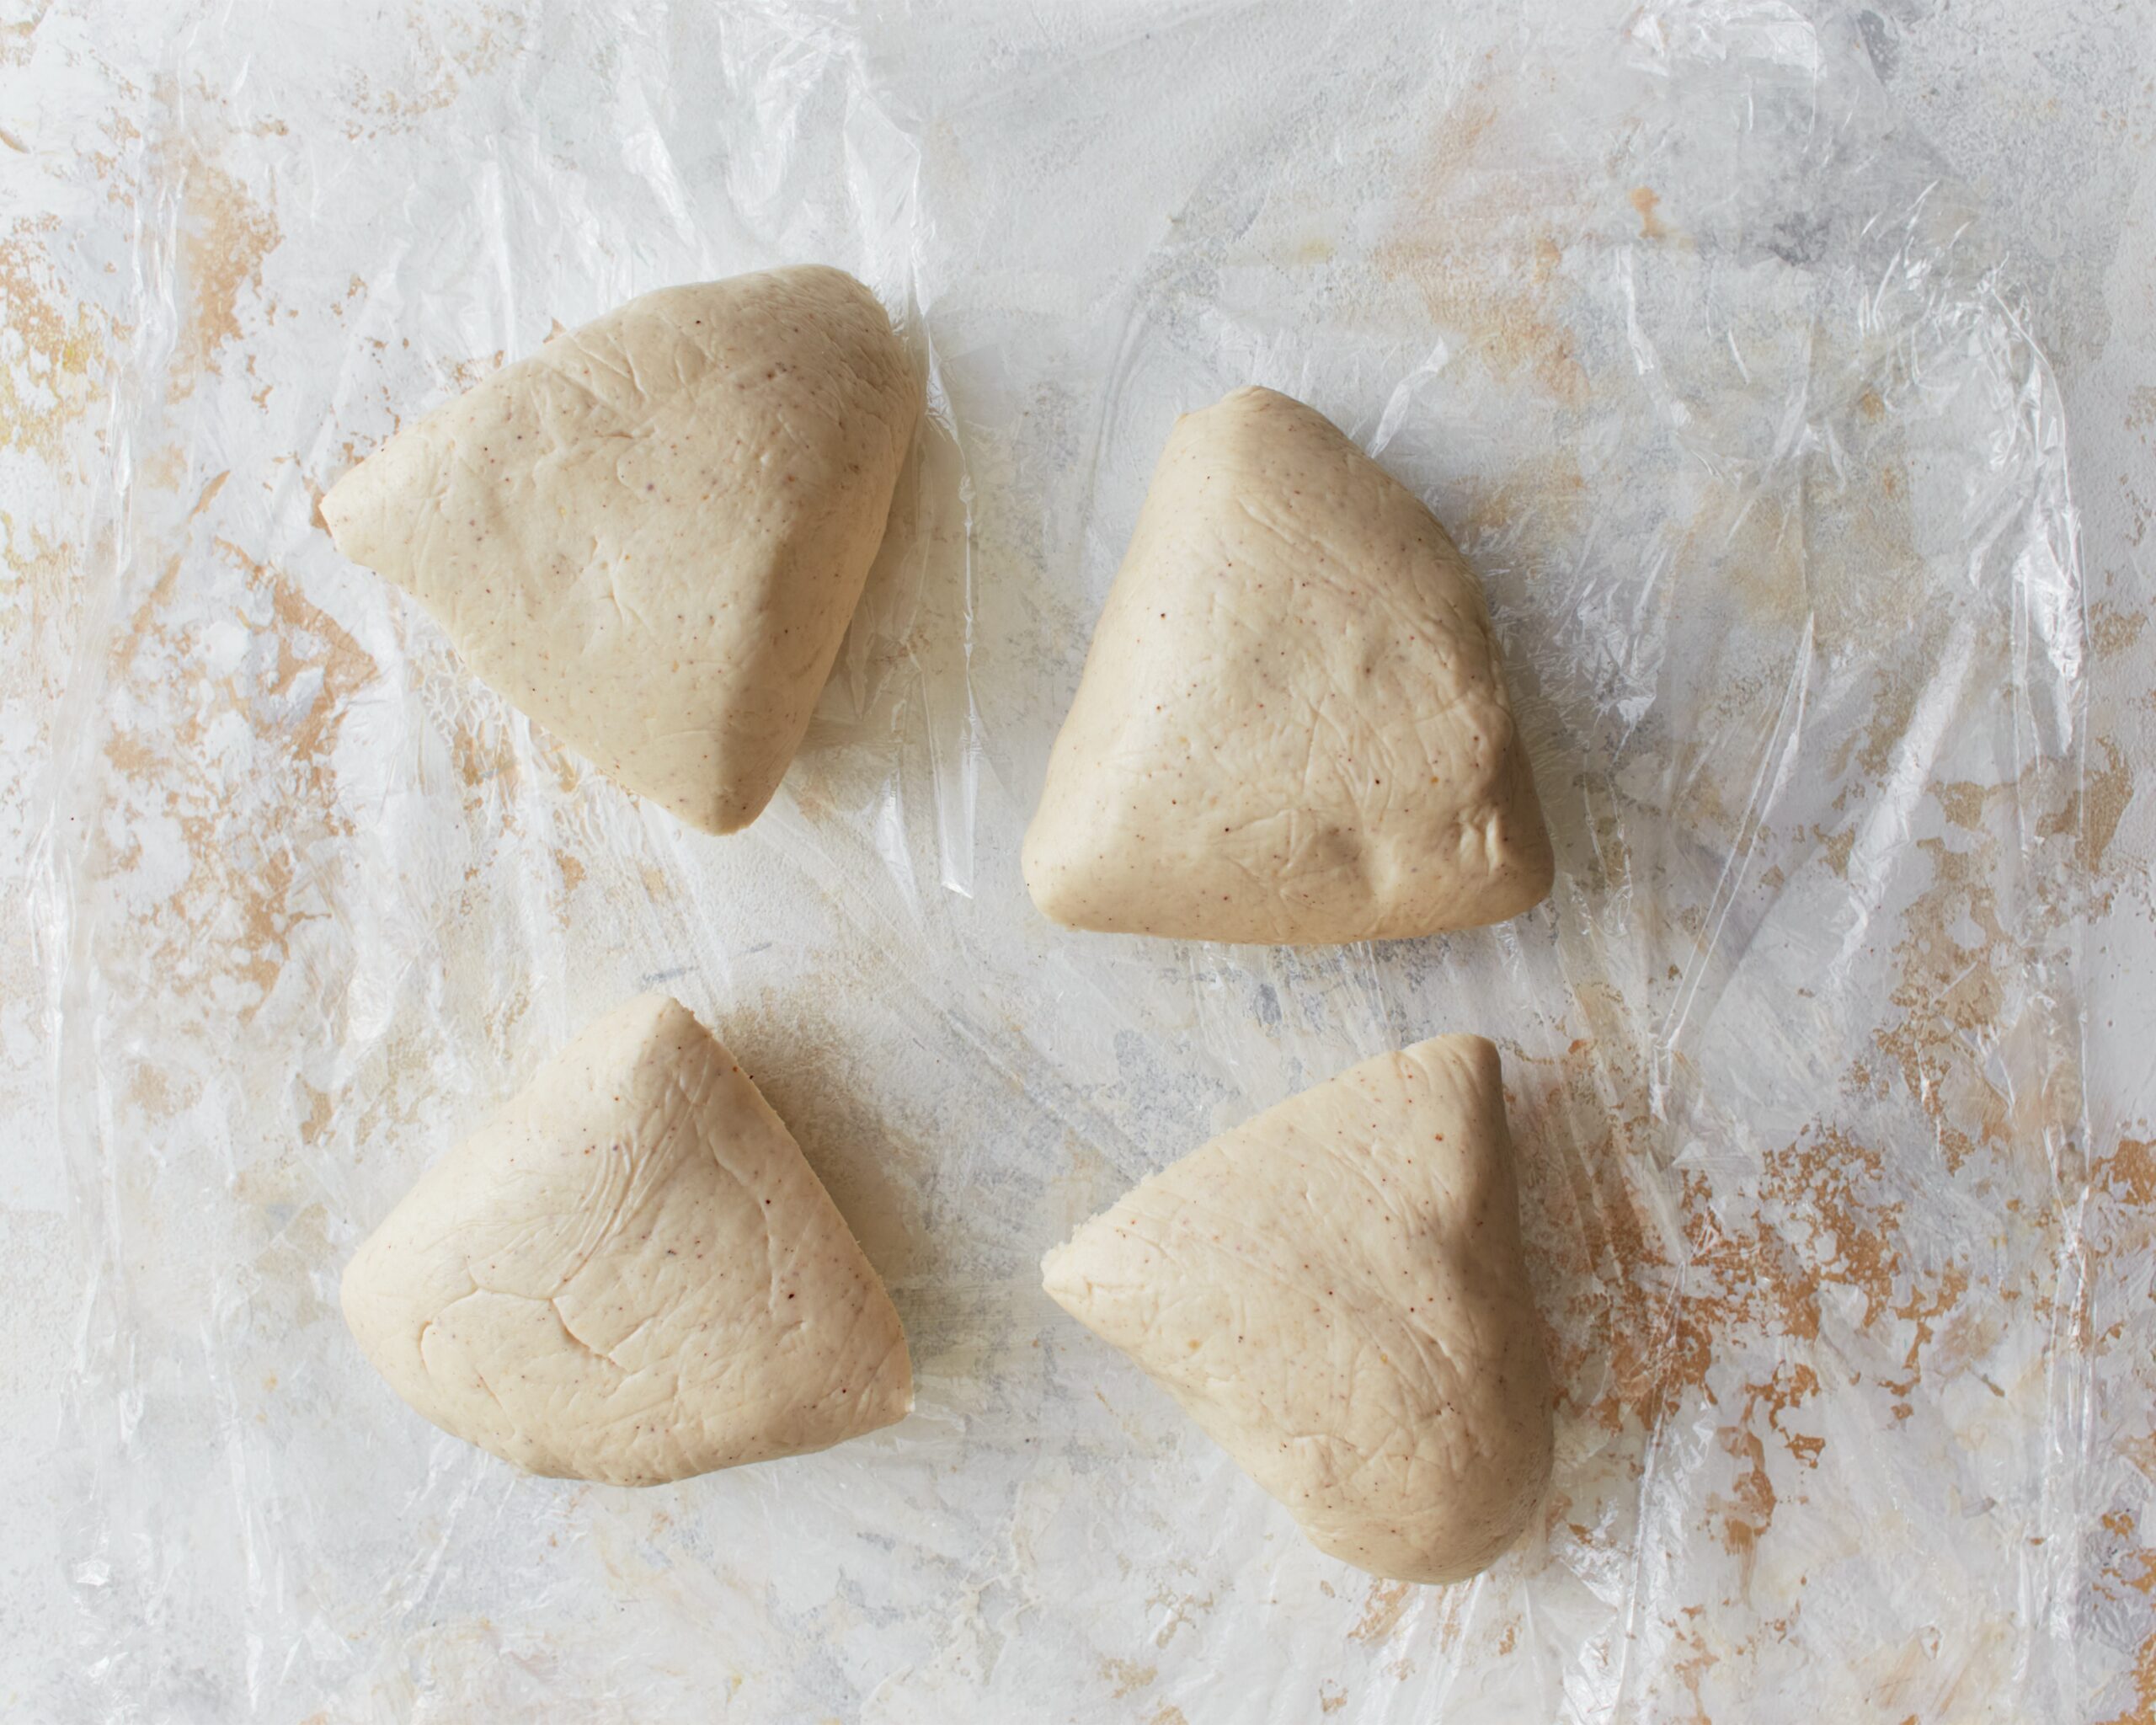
1710,370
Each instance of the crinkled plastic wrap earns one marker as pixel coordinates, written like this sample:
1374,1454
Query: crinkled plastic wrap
1711,372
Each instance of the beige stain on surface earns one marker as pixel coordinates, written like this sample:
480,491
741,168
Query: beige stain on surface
1182,1611
1128,1676
165,468
1537,507
1382,1609
1749,1511
51,377
2113,632
1953,1000
38,574
1601,1259
1644,1324
484,747
231,920
2129,1171
469,373
1458,242
316,1121
1840,561
1838,1231
2105,792
448,53
2132,1569
225,236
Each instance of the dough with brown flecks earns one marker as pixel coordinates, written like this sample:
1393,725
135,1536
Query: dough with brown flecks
1293,727
630,1274
650,534
1335,1292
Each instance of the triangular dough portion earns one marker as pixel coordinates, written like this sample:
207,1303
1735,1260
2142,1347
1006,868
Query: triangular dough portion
1335,1292
1293,726
650,534
630,1274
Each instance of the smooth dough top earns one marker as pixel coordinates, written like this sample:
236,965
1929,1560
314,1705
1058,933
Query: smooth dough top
650,534
1293,727
1335,1292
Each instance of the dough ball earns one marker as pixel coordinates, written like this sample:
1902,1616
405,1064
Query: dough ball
650,534
1293,726
630,1274
1335,1292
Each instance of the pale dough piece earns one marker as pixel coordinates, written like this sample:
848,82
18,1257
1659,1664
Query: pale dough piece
1335,1292
1293,726
650,534
630,1274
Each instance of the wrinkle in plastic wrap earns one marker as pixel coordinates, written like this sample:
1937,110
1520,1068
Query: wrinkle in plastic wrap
1712,373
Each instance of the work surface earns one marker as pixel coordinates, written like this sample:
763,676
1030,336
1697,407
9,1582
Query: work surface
1787,373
